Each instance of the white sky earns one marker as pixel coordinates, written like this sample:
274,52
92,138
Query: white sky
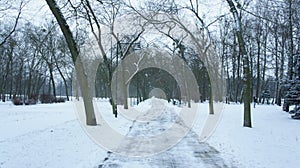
37,11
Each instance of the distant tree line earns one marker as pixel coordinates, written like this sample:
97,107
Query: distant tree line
36,60
271,32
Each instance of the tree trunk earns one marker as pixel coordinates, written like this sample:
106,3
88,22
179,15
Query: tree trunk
258,70
63,78
291,47
211,105
5,76
264,66
247,77
52,80
277,86
235,68
125,88
72,45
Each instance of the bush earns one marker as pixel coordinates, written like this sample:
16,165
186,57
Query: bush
30,102
47,98
60,100
17,101
35,97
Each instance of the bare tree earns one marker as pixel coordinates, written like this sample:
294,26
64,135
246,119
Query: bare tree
61,61
166,12
5,7
79,68
246,71
123,48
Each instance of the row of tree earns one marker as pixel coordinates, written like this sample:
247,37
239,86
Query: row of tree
271,33
34,60
257,46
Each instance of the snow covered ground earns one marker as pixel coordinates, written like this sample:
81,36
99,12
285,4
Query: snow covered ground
51,136
274,140
44,136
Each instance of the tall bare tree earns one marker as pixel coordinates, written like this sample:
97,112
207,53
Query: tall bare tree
246,71
79,68
5,6
111,12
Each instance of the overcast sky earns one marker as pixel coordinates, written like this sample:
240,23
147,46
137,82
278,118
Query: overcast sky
37,11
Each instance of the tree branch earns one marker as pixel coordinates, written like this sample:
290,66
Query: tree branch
15,25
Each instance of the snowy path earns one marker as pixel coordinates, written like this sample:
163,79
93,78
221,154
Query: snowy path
189,152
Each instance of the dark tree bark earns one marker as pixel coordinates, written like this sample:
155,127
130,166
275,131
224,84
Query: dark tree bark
72,45
14,26
258,67
247,77
291,42
63,78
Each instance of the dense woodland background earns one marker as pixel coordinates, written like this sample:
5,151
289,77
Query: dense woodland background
35,58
